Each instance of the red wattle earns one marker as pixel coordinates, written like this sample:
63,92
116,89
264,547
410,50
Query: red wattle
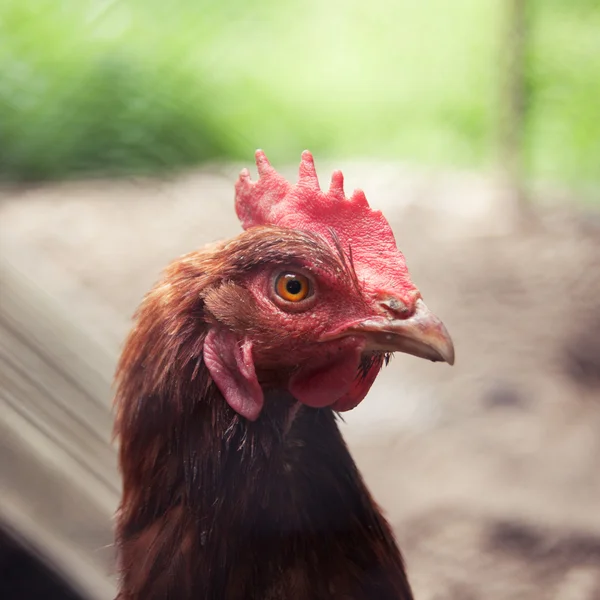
326,382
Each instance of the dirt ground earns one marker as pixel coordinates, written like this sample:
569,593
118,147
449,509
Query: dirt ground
490,470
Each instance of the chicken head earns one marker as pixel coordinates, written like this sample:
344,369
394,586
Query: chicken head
312,297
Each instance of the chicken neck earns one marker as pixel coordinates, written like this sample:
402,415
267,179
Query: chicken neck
219,507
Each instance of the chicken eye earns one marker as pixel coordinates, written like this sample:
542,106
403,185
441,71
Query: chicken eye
292,287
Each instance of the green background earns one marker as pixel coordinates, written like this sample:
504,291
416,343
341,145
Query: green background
145,85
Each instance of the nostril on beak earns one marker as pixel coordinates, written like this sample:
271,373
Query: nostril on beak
396,308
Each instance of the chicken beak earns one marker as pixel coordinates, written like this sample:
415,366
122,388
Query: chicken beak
422,334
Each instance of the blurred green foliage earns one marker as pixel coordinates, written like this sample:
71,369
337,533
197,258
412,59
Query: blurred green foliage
144,85
563,128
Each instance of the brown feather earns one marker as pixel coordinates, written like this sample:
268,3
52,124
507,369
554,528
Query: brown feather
218,507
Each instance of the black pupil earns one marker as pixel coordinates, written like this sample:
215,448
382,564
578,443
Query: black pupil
293,286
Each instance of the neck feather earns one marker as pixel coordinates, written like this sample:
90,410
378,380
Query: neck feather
217,506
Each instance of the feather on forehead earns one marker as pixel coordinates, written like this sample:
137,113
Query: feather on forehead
362,232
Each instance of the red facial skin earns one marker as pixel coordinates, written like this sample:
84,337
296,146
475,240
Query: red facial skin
275,342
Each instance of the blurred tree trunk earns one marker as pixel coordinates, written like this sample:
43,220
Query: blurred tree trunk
513,104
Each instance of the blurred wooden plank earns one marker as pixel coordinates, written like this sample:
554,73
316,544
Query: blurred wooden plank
58,471
43,323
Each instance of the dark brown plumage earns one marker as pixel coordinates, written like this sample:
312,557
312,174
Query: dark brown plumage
270,505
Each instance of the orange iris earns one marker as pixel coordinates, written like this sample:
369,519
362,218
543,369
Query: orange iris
292,287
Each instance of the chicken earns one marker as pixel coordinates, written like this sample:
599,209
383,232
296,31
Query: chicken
237,483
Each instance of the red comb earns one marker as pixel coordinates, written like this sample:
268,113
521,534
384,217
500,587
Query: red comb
272,197
274,201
